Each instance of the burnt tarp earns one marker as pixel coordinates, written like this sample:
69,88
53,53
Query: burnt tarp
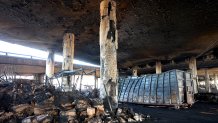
173,87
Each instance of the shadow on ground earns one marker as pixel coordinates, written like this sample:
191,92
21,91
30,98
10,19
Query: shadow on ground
199,113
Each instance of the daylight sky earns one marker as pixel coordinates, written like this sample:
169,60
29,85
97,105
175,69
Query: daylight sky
19,49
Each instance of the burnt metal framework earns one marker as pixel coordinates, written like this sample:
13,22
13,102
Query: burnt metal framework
81,72
7,74
173,87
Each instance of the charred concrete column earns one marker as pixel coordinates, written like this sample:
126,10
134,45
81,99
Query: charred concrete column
108,53
135,71
158,67
39,77
49,65
207,81
215,81
193,68
68,56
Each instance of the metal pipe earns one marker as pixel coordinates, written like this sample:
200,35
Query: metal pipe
81,82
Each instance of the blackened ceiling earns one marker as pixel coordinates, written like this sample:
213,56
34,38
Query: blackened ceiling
149,30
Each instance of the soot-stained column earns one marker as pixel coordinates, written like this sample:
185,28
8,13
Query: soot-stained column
215,80
158,67
68,56
108,53
49,71
207,81
135,71
193,68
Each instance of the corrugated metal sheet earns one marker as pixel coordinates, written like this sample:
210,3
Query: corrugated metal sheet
169,88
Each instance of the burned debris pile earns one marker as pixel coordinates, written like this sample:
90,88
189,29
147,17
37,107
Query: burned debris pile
29,102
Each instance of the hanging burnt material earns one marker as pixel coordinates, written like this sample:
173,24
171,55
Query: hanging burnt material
112,31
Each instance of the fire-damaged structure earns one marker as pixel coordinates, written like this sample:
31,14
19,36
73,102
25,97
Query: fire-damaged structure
173,87
168,47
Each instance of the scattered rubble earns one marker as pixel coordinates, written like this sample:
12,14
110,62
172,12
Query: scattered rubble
28,102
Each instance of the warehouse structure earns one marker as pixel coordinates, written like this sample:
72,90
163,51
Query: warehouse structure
142,52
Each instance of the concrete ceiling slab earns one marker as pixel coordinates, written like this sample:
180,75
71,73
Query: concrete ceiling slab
149,30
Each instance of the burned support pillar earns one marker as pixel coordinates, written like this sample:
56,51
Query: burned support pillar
108,53
39,78
49,66
207,81
193,68
215,81
158,67
134,71
68,56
